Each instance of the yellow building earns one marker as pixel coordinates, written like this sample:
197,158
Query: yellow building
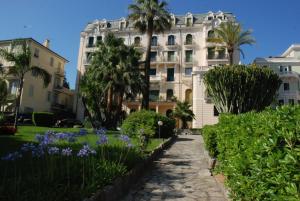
179,57
35,97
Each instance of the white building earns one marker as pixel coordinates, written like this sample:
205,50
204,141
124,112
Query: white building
179,58
287,66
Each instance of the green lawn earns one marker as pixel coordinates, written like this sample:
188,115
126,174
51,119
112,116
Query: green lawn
27,134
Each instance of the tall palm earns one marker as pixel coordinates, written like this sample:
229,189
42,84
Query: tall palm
184,113
149,16
232,35
20,56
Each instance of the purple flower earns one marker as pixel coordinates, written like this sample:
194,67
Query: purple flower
53,150
129,145
38,151
103,139
124,138
46,139
85,151
66,152
61,136
101,131
82,132
12,156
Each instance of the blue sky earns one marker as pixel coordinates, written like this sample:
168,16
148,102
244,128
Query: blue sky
276,23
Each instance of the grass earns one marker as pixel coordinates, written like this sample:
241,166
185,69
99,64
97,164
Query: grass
27,134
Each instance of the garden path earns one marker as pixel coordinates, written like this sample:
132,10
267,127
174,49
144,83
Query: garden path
181,174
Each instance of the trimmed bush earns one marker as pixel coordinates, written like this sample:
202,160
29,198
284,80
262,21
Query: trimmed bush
147,120
259,153
45,119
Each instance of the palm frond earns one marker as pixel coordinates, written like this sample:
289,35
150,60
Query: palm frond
41,73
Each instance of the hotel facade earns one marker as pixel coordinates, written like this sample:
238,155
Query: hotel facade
35,97
179,59
287,66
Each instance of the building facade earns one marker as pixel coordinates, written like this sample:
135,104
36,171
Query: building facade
35,97
287,66
179,57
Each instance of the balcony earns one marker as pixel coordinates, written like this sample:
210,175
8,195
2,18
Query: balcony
171,59
155,46
157,78
60,107
289,74
90,45
171,45
217,57
189,44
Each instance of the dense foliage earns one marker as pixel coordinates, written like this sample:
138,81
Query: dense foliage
239,89
58,167
43,119
184,113
148,121
259,153
113,75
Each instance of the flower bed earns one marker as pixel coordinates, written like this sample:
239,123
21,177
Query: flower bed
60,168
259,153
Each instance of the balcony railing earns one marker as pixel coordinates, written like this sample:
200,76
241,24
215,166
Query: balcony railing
187,43
217,56
90,45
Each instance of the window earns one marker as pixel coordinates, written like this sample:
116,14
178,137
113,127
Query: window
169,94
189,96
152,71
189,22
49,96
51,61
154,95
281,68
286,86
210,18
99,39
290,68
189,39
137,41
189,55
221,54
188,71
31,90
171,40
91,42
211,53
154,41
36,53
57,82
280,102
216,112
170,74
153,56
171,55
291,101
59,65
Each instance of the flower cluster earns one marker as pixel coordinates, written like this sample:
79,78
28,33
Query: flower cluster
82,132
125,139
101,131
12,156
66,152
53,150
85,151
103,139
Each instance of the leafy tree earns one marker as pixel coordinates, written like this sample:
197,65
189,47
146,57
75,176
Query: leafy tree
20,55
149,16
113,74
239,89
66,84
232,35
184,113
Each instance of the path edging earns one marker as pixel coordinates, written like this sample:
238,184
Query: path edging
122,185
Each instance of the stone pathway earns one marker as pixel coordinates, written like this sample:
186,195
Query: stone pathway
181,174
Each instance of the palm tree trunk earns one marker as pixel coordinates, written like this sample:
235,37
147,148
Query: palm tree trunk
230,52
145,102
88,112
18,101
109,99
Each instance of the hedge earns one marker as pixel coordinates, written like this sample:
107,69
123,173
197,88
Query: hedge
45,119
147,120
259,153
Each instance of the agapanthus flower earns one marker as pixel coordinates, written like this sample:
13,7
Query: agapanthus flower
86,151
28,147
124,138
101,131
82,132
66,152
38,151
53,150
12,156
61,136
103,139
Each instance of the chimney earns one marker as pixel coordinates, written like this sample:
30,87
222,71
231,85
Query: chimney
47,43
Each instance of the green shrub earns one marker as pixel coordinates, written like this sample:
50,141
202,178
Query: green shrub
259,153
43,119
147,120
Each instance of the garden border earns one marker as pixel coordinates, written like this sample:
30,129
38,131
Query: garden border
121,186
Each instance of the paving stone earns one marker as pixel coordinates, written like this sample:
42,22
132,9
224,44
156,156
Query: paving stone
180,175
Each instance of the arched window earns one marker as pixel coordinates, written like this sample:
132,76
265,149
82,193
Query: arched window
189,39
171,40
169,113
189,96
211,34
154,41
137,41
170,94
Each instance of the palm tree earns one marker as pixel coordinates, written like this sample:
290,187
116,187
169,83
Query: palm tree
20,56
232,35
183,112
149,16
